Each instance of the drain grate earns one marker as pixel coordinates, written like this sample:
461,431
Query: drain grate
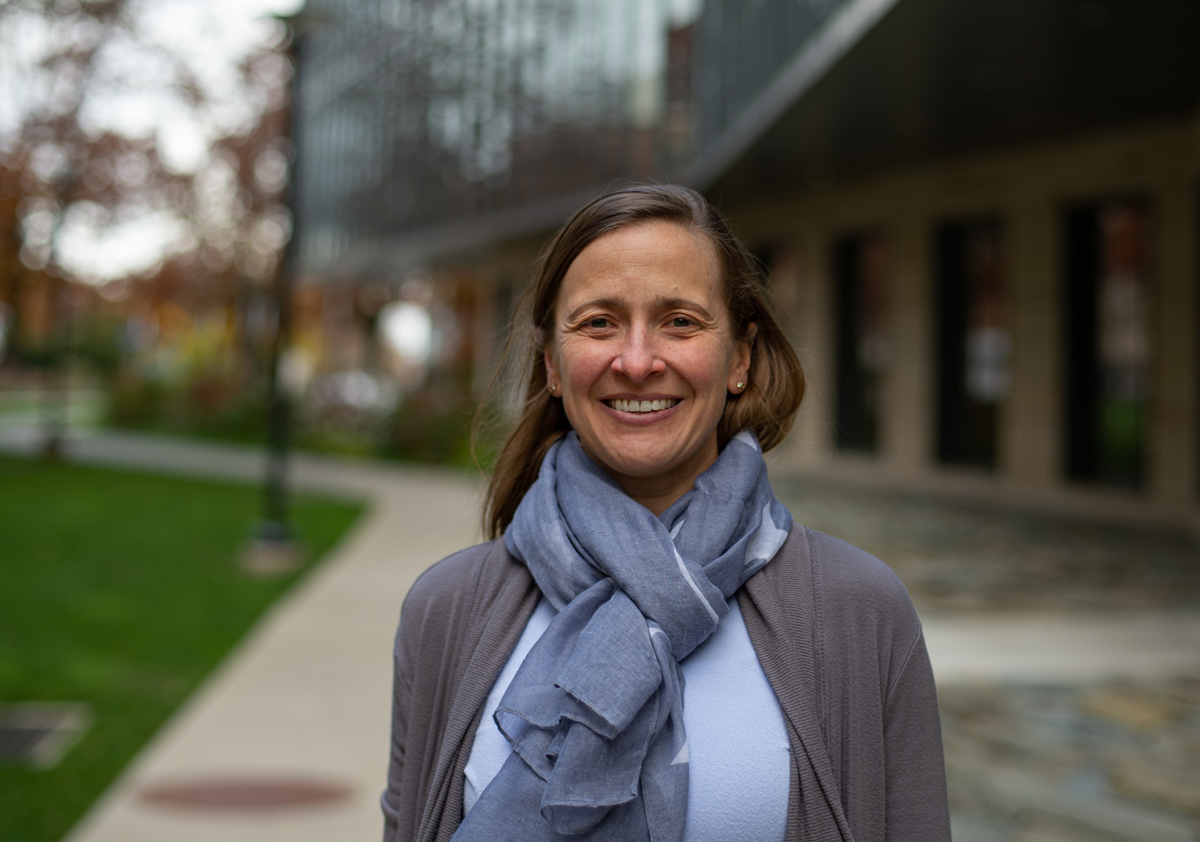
247,793
38,734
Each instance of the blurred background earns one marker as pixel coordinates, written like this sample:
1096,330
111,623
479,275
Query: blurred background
309,223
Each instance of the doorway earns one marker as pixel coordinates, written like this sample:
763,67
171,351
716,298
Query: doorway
1107,336
860,304
973,343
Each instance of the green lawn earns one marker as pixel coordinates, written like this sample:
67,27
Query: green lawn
120,590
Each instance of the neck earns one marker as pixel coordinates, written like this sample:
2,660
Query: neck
657,502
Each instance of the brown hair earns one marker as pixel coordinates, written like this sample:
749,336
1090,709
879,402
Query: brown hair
776,381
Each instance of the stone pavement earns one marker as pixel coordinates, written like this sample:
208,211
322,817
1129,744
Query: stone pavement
1115,761
1067,653
1064,671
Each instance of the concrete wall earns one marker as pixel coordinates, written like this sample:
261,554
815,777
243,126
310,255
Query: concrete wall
1028,190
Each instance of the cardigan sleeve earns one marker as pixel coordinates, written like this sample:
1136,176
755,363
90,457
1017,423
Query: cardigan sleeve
842,646
423,659
415,631
916,807
401,703
881,705
458,625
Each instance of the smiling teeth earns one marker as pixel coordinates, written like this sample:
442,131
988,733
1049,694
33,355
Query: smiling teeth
642,406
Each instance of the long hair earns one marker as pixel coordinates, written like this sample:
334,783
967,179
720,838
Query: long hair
775,384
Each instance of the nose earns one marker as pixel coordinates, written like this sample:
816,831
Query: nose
639,357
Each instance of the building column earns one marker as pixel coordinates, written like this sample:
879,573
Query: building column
1031,434
1172,457
811,327
907,418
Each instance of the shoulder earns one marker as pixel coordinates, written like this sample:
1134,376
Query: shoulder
462,586
446,579
852,579
444,593
835,570
857,598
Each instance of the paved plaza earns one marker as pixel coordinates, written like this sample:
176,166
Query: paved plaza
958,555
1067,653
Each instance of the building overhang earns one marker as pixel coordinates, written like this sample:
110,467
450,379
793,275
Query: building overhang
423,246
888,83
885,84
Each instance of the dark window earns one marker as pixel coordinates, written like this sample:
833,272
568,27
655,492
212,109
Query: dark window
1108,341
860,305
973,343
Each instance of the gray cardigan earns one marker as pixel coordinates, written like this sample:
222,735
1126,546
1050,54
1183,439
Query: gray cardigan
837,638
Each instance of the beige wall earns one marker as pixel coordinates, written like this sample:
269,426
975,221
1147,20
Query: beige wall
1174,421
1028,190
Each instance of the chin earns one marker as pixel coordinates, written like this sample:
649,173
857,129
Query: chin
628,460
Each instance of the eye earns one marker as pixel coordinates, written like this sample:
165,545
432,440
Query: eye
681,321
598,323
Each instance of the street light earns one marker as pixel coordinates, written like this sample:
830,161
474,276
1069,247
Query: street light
273,546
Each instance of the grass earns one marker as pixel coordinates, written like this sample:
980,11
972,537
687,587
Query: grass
120,590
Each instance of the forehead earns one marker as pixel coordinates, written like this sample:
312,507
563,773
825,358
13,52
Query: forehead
657,258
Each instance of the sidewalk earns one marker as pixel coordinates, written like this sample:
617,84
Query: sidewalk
299,712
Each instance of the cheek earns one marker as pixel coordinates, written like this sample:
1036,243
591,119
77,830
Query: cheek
580,364
707,371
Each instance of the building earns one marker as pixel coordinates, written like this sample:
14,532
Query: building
982,219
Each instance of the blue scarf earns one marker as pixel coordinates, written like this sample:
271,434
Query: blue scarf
595,713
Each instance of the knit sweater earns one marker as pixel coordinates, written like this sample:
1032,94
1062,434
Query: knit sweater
833,629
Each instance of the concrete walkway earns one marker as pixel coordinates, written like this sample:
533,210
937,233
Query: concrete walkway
302,705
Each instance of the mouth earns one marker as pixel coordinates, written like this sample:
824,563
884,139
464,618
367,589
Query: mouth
641,406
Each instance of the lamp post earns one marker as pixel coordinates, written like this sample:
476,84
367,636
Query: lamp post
273,546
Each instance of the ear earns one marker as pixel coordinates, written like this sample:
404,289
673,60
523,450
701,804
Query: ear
739,362
553,378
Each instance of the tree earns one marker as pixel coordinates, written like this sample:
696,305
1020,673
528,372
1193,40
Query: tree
138,139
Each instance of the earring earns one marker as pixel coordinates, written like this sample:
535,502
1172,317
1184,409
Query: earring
552,388
741,384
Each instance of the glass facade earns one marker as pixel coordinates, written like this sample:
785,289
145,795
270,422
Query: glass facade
415,114
742,46
420,115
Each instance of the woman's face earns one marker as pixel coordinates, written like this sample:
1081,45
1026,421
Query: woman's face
643,355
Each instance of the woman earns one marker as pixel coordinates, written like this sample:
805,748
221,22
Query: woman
649,648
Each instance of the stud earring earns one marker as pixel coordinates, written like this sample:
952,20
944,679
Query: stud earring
552,388
741,384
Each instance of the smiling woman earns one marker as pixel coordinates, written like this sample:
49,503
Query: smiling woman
718,272
649,648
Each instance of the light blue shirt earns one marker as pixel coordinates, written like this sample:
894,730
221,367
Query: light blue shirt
739,758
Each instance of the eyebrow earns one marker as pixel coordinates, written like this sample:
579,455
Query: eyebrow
660,303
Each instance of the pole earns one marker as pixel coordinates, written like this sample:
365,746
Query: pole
273,547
